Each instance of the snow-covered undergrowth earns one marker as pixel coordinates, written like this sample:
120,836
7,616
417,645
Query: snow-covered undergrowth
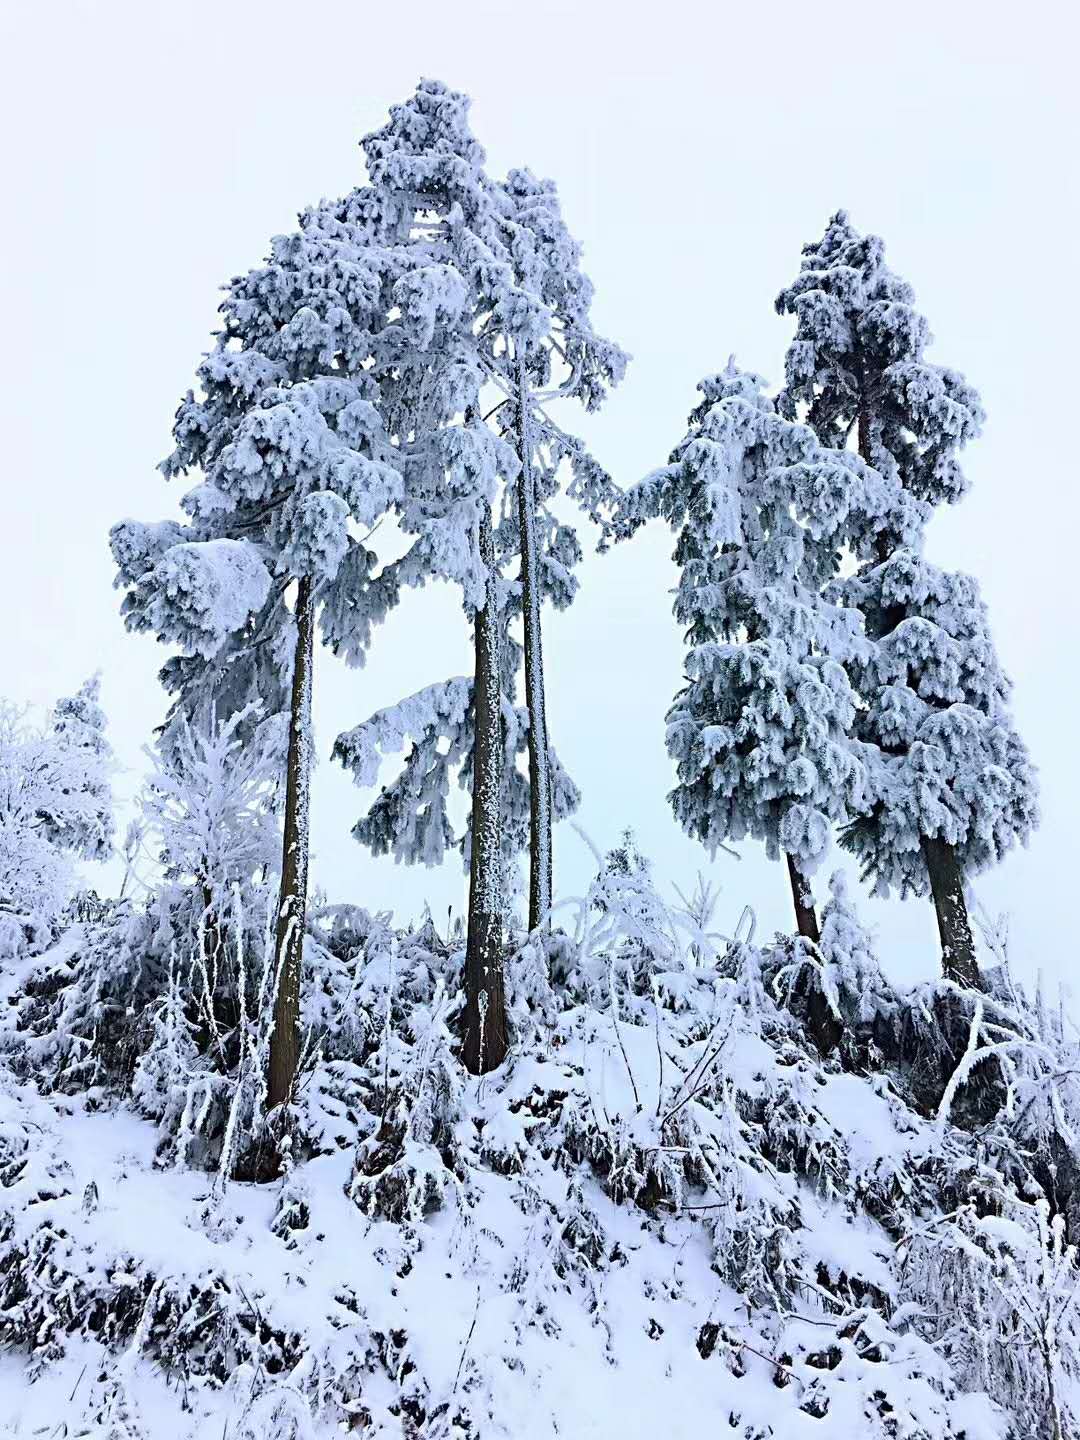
669,1213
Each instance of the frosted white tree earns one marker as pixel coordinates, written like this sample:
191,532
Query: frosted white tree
202,950
559,357
410,818
953,787
80,819
492,320
761,732
295,465
209,810
427,169
55,806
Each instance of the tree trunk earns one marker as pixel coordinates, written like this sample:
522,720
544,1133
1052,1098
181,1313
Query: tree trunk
865,449
864,435
211,935
825,1029
805,914
947,886
292,905
540,868
485,1005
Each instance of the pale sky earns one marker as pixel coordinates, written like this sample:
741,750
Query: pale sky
152,151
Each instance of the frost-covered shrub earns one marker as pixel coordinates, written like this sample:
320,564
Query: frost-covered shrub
996,1293
165,999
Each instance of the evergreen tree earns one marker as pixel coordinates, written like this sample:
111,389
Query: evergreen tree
80,817
954,787
564,358
55,806
294,457
491,307
761,731
951,787
426,167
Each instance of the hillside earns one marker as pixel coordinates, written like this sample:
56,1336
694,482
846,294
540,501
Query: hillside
667,1212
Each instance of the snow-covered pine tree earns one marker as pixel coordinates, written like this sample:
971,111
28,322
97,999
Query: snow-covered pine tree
492,307
427,170
555,354
761,732
953,788
81,818
294,458
55,805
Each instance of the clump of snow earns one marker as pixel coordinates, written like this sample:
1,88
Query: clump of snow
208,589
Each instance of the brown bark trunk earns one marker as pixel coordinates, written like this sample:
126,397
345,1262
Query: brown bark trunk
864,436
824,1027
958,961
805,914
292,905
540,818
485,1041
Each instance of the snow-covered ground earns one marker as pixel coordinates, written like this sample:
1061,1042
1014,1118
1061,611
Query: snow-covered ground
666,1214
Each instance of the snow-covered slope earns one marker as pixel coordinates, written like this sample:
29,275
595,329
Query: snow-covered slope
666,1214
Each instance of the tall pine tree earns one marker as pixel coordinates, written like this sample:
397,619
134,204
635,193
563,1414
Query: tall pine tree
427,169
951,787
564,358
294,458
492,321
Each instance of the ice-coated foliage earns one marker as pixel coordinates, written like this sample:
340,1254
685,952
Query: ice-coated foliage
852,972
858,353
209,808
409,818
493,308
950,761
944,760
761,733
426,169
55,807
546,262
80,817
1010,1279
294,457
199,593
159,993
547,351
210,814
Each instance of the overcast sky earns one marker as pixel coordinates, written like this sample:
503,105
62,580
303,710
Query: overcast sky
152,150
